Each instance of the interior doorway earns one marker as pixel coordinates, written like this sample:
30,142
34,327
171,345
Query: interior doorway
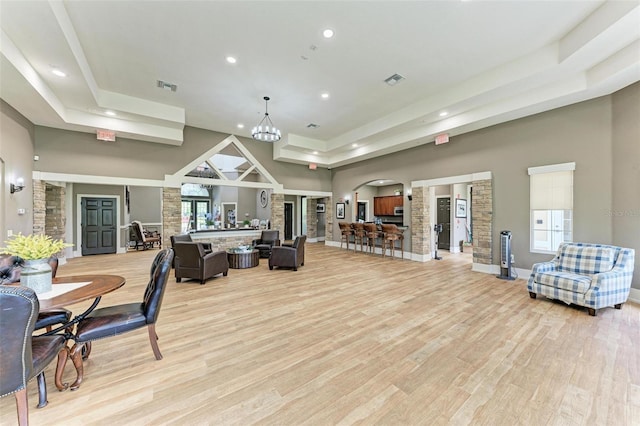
288,220
229,215
444,218
361,211
99,227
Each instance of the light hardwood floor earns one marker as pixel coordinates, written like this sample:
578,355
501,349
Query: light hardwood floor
351,339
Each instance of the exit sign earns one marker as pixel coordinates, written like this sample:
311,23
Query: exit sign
106,135
442,138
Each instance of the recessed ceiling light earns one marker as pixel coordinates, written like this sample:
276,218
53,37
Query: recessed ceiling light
315,152
231,59
325,96
240,126
355,145
110,113
58,72
444,114
328,33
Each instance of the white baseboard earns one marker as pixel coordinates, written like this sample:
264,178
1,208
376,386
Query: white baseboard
420,257
332,243
634,295
312,240
485,269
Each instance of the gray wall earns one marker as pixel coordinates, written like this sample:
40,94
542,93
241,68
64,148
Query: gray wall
17,140
581,133
138,159
625,208
146,204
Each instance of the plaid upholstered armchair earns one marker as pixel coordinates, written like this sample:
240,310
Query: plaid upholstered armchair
590,275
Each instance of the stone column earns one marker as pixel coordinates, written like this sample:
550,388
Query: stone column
312,218
55,215
39,207
171,214
420,225
277,213
328,227
482,219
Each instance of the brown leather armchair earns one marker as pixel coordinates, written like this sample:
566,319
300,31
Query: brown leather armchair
191,261
288,257
186,238
268,239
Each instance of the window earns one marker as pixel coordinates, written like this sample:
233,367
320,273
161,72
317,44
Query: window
551,205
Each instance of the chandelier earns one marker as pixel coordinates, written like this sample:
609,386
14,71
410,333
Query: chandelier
265,130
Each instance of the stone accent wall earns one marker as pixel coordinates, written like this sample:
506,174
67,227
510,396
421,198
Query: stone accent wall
39,207
171,214
312,218
55,219
223,240
329,219
482,217
420,225
277,213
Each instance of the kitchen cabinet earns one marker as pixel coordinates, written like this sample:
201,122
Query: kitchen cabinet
384,206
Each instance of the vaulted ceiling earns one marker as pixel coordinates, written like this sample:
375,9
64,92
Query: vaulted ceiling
480,62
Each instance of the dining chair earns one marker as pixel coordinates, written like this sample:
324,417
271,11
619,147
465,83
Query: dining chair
10,271
22,355
114,320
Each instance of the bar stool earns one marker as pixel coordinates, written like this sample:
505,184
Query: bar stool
371,233
358,235
391,235
346,232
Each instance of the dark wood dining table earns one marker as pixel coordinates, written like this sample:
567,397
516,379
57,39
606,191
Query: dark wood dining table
98,286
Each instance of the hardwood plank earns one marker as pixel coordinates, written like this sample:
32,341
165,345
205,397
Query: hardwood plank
351,338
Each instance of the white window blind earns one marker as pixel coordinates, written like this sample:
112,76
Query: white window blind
552,191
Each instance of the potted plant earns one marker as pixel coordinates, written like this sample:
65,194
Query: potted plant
246,223
35,250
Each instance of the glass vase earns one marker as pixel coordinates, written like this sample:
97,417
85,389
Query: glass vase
36,274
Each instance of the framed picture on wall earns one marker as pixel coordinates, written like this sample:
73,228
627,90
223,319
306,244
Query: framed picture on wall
461,207
320,208
339,210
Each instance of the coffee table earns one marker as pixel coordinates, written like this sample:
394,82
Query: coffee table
242,259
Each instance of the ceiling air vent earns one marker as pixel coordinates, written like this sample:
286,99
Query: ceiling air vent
394,79
167,86
312,126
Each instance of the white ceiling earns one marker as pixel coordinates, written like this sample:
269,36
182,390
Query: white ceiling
484,62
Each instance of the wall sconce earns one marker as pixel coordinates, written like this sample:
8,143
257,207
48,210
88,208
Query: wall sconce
346,199
409,196
19,186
